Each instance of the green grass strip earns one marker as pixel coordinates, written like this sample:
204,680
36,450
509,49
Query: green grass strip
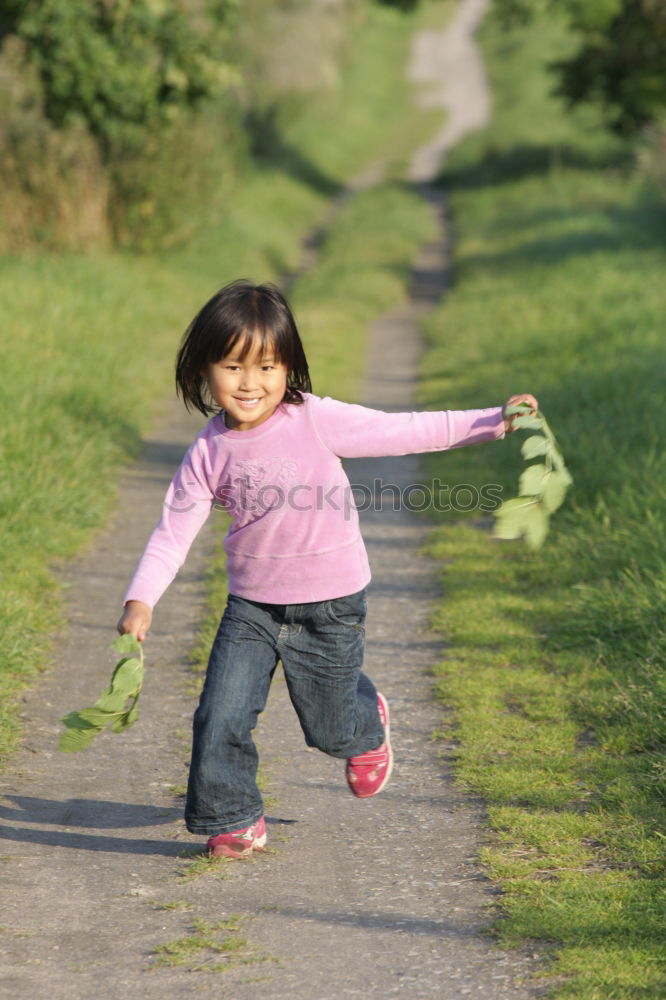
554,660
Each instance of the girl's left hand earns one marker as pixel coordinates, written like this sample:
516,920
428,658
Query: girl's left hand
524,397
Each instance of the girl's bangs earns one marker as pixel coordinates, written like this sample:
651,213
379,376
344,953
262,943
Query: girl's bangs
260,339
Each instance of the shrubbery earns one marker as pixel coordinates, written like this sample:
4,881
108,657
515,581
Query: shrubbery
123,67
620,60
129,123
94,97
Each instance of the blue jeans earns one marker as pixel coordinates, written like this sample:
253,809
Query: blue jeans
321,649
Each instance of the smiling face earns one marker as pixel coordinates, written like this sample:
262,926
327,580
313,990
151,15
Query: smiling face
249,389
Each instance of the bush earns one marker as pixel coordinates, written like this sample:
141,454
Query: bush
123,67
126,123
53,189
620,61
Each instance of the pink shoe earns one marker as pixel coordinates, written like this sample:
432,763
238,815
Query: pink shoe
238,843
368,773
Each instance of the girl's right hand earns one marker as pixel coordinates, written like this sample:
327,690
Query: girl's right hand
136,619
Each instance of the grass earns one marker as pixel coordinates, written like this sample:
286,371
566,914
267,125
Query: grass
554,660
197,864
209,947
93,337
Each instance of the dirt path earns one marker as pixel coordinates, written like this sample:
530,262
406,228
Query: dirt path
448,66
367,899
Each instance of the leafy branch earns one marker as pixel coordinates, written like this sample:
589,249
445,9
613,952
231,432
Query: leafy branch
111,709
542,486
125,69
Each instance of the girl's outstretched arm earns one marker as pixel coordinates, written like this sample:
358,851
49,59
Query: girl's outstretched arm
524,397
135,619
353,431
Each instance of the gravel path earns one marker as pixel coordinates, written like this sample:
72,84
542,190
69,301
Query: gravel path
355,898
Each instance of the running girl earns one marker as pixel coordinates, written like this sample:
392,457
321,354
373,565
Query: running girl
297,566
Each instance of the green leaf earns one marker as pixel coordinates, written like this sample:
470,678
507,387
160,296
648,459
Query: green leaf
526,423
77,739
77,720
542,486
508,528
511,517
509,411
110,708
127,719
127,644
532,481
555,490
536,526
516,503
112,701
562,469
128,676
96,717
125,683
534,446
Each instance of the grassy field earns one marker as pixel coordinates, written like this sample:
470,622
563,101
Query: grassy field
91,339
554,661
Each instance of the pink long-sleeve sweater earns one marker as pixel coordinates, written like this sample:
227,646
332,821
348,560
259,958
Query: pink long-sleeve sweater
294,534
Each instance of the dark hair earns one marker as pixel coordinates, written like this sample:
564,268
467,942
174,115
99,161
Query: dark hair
234,317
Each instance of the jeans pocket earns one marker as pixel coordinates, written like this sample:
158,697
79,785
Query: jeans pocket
349,610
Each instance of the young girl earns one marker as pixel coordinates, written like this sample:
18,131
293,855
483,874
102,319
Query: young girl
270,456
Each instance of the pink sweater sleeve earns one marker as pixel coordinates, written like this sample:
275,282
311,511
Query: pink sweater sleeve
187,504
353,431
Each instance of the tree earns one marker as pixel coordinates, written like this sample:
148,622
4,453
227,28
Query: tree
122,65
621,60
